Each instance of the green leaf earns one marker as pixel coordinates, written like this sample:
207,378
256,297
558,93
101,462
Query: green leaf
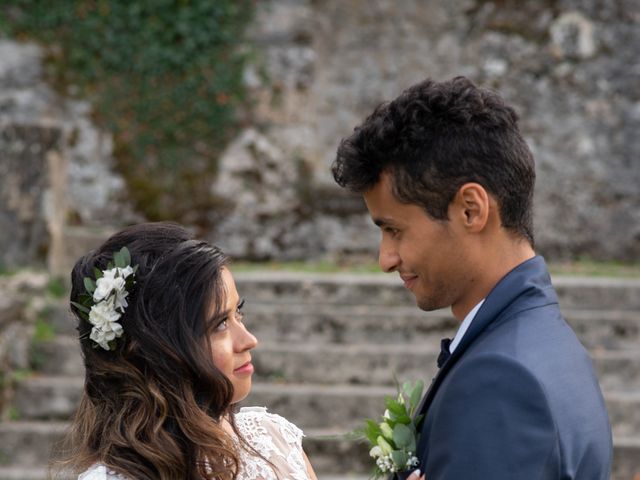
386,430
396,407
398,412
416,394
97,272
89,285
126,256
356,435
80,307
117,257
399,458
372,431
402,436
384,445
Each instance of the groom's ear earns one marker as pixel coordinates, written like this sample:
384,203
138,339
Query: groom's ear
471,207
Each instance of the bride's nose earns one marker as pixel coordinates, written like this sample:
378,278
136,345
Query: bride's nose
244,340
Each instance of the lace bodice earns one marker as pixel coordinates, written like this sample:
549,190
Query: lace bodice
275,438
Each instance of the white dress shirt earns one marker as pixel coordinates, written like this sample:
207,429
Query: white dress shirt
464,326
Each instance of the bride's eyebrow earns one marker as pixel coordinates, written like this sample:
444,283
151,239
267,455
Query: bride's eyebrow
218,317
221,315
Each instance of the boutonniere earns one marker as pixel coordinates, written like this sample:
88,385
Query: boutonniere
394,437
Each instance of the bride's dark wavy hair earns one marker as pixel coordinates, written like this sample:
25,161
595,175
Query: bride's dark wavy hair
151,409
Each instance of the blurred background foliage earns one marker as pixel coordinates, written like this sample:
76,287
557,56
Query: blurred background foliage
163,76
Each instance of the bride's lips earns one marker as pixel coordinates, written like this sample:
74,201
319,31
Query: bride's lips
409,280
245,369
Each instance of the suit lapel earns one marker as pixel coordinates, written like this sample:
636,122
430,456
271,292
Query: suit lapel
530,278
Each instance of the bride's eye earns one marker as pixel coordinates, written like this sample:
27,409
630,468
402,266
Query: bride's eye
239,312
222,326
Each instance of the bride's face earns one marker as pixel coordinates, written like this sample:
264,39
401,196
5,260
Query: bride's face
231,342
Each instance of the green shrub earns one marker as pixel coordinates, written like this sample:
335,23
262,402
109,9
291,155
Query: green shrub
164,76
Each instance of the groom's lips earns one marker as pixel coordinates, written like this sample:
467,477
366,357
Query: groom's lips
409,280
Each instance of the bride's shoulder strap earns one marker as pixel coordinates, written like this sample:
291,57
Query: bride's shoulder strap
273,423
100,472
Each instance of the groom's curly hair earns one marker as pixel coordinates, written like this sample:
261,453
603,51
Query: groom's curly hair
434,138
151,409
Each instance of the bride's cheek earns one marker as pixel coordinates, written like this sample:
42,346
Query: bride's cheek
222,357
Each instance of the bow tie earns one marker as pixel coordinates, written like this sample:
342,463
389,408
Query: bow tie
444,351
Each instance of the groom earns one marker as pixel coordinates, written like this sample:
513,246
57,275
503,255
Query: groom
448,179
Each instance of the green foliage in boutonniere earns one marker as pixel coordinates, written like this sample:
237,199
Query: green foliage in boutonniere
393,438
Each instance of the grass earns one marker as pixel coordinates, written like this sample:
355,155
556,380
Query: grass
43,331
56,288
581,267
592,268
306,267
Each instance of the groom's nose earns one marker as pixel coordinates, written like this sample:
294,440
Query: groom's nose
388,259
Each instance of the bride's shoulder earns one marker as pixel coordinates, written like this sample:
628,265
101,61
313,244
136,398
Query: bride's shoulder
252,419
100,472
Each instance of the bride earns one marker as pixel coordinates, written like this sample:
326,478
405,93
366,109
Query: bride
167,359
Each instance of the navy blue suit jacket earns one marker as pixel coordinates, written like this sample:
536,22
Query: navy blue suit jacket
518,398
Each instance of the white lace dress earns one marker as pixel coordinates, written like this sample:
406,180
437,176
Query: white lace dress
275,438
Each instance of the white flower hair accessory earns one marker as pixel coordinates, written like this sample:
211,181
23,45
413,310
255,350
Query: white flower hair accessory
106,299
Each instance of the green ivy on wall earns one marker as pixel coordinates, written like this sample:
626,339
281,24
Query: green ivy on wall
164,76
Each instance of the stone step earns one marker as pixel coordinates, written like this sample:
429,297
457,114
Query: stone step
609,329
337,456
331,455
41,473
25,473
29,443
324,323
307,405
382,289
366,364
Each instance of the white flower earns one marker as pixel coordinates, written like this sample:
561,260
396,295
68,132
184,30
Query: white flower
104,319
375,452
113,282
126,271
387,414
101,338
107,284
103,314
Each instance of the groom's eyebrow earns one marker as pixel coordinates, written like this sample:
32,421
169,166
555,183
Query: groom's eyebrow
382,221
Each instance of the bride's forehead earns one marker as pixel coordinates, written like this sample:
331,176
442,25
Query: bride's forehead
228,286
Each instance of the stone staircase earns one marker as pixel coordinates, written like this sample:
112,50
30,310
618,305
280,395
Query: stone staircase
329,347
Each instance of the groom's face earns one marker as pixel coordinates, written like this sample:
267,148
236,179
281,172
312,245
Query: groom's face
428,254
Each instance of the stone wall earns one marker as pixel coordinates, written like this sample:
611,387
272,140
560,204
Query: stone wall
22,299
23,181
570,68
55,164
